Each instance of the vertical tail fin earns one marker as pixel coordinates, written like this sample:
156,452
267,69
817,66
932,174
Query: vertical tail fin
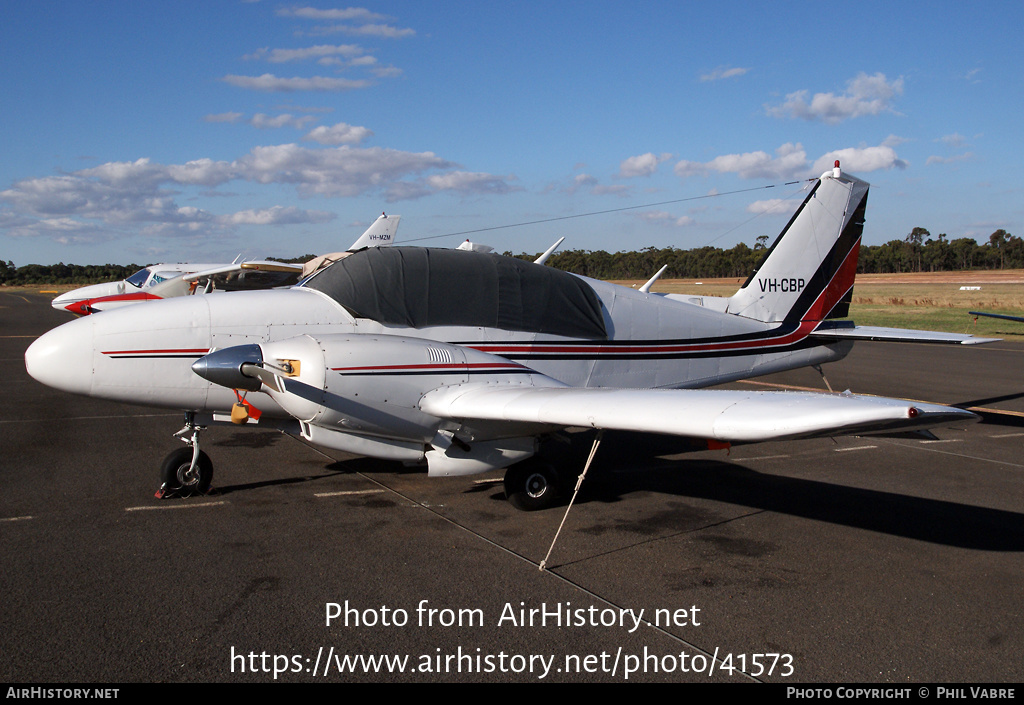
381,233
808,273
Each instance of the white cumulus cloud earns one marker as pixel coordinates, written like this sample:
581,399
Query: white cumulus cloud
789,161
275,84
864,95
141,196
341,133
336,15
641,165
666,218
772,205
723,72
276,215
861,159
265,122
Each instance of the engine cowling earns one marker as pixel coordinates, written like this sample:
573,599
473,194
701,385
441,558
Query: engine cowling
361,393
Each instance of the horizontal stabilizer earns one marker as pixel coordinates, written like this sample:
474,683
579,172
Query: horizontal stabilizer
1018,319
723,415
895,335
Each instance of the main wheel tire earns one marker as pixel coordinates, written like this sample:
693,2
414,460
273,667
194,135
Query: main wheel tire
176,478
532,485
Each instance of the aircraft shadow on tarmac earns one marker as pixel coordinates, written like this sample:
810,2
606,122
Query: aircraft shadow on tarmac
628,463
247,439
216,490
995,418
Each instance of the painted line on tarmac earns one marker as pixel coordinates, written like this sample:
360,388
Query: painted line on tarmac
782,386
175,506
980,459
346,492
24,518
89,418
845,450
1019,414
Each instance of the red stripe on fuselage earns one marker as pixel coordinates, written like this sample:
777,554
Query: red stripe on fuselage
191,351
439,366
832,294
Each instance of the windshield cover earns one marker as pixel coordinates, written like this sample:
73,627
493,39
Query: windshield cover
421,287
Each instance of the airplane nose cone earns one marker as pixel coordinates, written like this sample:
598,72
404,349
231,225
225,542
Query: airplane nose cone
62,358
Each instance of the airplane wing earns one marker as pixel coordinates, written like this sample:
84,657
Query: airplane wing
256,266
254,274
894,335
722,415
1018,319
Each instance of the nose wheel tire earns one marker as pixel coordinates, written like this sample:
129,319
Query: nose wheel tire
532,485
180,479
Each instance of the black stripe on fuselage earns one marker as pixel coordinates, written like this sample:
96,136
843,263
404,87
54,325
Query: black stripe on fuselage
786,328
155,356
680,355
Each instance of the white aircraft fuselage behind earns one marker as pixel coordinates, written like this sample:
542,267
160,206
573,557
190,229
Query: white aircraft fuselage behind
138,283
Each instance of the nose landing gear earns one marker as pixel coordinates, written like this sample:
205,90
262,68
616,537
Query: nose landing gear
186,471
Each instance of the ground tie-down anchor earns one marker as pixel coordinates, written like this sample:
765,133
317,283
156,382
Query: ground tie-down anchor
579,483
823,377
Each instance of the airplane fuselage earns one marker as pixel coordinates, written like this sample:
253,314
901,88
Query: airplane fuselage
143,355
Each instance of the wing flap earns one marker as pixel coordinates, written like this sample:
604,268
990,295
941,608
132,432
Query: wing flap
724,415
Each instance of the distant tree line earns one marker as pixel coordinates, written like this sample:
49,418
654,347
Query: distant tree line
917,252
920,252
32,274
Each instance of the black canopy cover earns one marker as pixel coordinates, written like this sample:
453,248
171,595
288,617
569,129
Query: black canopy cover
421,287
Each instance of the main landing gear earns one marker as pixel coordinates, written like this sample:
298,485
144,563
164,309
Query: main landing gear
186,471
534,484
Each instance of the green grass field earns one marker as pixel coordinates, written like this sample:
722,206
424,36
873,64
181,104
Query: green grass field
923,302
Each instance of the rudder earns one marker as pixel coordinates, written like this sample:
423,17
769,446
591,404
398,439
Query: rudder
808,273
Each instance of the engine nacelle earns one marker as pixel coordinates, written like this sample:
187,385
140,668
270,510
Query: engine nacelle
361,393
364,384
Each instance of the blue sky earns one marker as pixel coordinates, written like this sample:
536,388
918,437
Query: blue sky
195,131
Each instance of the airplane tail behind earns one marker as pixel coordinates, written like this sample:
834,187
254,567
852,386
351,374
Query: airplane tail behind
380,234
808,273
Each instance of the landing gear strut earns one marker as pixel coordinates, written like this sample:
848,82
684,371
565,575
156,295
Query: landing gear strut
186,471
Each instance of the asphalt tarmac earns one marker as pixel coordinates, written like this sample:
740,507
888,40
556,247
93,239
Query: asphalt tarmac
868,560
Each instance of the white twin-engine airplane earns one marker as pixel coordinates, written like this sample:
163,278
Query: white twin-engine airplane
465,361
165,281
